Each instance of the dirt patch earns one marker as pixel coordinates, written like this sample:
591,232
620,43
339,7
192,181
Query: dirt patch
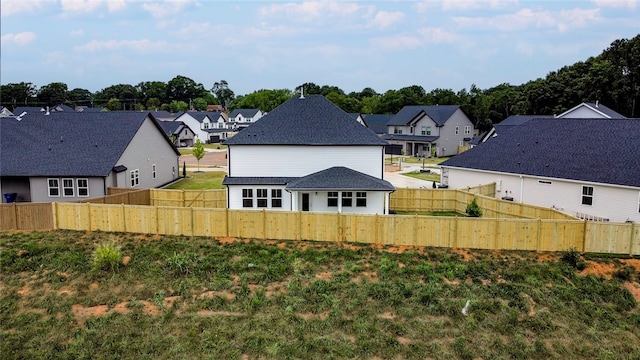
126,260
326,275
209,313
82,313
599,269
532,304
466,255
635,263
634,289
387,316
308,316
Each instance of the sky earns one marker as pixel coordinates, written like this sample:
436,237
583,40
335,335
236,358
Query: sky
253,45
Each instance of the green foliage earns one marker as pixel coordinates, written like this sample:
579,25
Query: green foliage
573,259
198,151
107,257
473,210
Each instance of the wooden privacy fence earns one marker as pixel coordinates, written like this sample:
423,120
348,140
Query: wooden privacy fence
122,196
26,216
478,233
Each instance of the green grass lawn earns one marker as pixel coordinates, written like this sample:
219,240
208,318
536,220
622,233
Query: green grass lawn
178,297
200,180
423,176
415,160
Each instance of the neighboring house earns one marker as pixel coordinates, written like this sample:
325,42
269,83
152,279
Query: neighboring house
4,112
377,122
73,156
591,111
242,118
358,117
513,121
427,130
87,109
179,132
198,122
479,139
307,155
589,168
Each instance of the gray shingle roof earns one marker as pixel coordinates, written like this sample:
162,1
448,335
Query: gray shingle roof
515,120
439,113
594,150
340,178
257,180
313,120
244,112
66,144
377,122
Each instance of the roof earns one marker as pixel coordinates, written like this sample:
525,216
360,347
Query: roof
377,122
257,180
592,150
604,111
244,112
340,178
439,113
312,120
67,144
417,138
515,120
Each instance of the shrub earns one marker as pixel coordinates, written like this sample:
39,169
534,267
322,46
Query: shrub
473,209
107,257
573,259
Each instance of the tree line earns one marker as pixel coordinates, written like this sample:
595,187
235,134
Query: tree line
612,78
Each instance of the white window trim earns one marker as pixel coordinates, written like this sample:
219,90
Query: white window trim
134,177
153,171
49,187
82,187
582,195
73,189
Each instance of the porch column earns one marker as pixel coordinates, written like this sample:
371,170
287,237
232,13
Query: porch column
294,201
386,203
339,201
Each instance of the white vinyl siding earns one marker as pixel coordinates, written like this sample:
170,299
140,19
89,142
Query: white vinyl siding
297,161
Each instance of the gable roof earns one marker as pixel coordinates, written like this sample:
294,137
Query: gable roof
312,120
597,108
515,120
594,150
67,144
377,122
340,178
244,112
439,113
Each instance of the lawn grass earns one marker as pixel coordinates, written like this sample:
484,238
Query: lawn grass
203,298
423,176
415,160
200,181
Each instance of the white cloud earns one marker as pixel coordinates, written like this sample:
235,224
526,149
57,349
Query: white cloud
76,33
22,38
141,46
194,28
165,8
316,10
398,42
437,35
463,5
631,4
87,6
12,7
526,18
384,19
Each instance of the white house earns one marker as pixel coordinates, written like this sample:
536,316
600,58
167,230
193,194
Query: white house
427,130
307,155
200,122
589,168
241,118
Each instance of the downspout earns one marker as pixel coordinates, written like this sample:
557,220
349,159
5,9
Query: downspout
104,184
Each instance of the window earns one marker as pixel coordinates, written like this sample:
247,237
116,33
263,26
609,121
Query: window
83,187
332,199
587,195
397,130
247,198
54,187
347,198
276,198
425,130
457,130
67,187
153,171
411,130
461,143
206,126
262,198
134,175
467,130
361,199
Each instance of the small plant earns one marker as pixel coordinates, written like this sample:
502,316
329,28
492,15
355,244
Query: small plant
625,274
198,152
473,209
107,257
573,259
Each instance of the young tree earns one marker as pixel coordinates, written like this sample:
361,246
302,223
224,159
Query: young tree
198,152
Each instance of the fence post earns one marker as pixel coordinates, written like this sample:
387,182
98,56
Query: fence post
89,216
377,228
54,215
264,224
124,218
539,240
584,237
226,216
455,233
495,234
631,239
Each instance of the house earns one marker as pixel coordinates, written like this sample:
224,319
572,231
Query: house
72,156
430,130
241,118
307,155
589,168
179,132
358,117
591,111
198,122
4,112
377,122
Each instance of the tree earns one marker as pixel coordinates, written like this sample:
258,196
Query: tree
473,210
12,95
53,94
265,100
126,94
153,104
198,152
78,97
222,92
113,104
152,90
178,106
199,104
181,88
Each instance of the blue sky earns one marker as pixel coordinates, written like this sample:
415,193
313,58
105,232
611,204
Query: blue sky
93,44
